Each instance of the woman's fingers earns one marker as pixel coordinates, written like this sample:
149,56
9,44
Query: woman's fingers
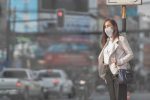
113,60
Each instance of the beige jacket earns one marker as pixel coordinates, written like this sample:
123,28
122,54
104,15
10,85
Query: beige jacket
121,51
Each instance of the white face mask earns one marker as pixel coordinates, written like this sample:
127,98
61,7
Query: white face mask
109,31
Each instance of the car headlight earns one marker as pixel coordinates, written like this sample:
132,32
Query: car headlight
82,82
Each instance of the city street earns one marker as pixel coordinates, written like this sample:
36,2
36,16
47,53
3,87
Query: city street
104,96
133,96
63,49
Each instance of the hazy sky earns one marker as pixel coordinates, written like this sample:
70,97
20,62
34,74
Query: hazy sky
32,5
21,5
144,8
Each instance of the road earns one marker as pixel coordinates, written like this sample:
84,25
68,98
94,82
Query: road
133,96
104,96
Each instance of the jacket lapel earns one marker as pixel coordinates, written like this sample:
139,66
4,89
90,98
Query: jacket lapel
115,46
100,58
101,66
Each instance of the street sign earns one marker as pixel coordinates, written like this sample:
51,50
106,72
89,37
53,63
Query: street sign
124,2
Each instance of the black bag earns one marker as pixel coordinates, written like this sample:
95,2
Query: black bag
125,76
129,76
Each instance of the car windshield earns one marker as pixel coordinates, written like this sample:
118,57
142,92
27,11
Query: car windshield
58,48
79,47
49,75
14,74
73,47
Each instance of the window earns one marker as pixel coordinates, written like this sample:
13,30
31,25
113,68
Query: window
71,5
50,74
14,74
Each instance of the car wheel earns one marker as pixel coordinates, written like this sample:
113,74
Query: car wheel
26,96
42,96
46,95
61,92
72,94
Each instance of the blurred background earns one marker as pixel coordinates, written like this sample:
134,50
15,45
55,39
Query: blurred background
64,35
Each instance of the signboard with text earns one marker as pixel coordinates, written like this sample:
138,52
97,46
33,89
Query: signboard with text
124,2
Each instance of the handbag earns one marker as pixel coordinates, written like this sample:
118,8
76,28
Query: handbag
129,75
125,76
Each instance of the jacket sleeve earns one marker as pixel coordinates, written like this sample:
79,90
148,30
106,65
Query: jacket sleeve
101,67
126,47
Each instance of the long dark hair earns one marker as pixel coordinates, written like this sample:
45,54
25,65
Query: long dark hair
115,33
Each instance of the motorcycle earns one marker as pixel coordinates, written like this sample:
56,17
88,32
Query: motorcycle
82,90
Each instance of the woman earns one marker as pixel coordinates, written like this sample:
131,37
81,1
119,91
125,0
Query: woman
115,51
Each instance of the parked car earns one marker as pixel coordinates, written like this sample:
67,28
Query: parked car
20,83
56,81
68,54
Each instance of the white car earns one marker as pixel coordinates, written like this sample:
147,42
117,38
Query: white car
20,83
55,81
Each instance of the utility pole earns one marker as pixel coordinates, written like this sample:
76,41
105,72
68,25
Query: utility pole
7,62
123,18
123,4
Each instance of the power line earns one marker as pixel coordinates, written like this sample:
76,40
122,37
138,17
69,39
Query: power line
33,20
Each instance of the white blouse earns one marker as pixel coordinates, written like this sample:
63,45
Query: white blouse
107,52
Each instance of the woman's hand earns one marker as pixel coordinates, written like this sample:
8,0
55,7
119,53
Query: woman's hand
105,82
113,60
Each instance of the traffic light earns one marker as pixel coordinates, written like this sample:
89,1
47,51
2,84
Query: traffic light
60,17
